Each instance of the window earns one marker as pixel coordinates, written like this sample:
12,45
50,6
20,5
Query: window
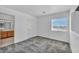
59,24
1,25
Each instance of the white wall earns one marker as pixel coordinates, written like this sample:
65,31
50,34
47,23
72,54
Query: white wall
74,35
25,25
75,22
45,27
74,42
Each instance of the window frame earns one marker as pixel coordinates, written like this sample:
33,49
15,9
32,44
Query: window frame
60,29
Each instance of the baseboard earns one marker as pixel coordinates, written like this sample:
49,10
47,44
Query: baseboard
46,38
38,36
25,39
53,39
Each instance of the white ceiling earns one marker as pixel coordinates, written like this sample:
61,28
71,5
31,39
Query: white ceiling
38,10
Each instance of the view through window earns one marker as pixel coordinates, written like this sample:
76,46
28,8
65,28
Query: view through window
59,23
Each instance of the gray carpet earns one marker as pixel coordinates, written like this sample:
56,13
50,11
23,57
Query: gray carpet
37,45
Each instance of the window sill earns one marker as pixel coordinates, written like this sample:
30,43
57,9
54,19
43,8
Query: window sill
62,30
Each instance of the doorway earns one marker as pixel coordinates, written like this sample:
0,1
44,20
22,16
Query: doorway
6,29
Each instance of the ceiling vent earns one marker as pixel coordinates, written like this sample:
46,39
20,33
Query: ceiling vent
44,12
